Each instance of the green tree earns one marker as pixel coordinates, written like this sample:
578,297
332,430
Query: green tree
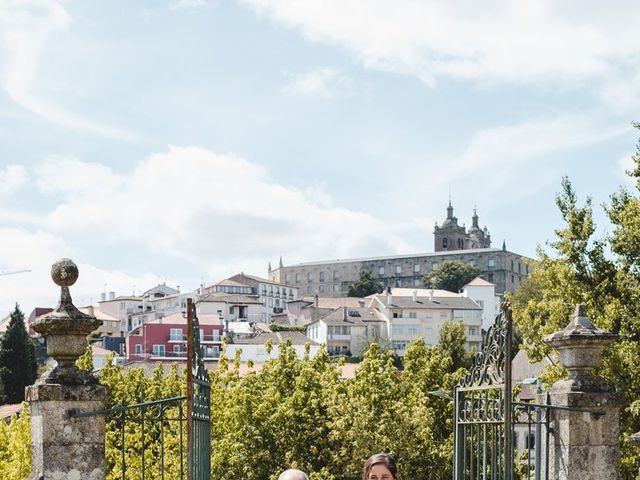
18,365
15,446
451,275
602,272
365,285
452,341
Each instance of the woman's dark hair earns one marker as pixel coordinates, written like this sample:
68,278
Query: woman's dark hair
377,459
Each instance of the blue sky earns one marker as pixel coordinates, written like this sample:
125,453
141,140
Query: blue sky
187,140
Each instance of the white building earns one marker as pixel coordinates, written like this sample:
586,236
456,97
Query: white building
271,295
484,294
254,349
348,330
411,317
233,307
122,308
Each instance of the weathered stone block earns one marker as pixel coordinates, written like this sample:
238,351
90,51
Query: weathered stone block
64,447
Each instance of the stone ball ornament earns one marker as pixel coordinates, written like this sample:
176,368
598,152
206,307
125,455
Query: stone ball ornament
64,272
66,329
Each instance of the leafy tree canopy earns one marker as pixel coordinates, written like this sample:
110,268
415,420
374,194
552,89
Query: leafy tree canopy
18,366
451,275
365,285
451,342
602,272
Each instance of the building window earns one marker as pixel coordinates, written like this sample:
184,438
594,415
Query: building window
491,263
444,242
460,244
138,348
309,277
159,350
277,302
398,269
417,282
336,275
308,289
398,282
336,288
176,349
381,270
399,345
416,268
321,277
490,277
434,265
413,315
297,278
287,278
175,334
321,288
519,266
512,280
512,265
473,330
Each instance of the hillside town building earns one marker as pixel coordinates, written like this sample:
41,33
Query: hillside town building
272,296
505,269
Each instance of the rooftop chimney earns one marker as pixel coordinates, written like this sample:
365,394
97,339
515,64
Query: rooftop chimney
112,295
103,297
345,314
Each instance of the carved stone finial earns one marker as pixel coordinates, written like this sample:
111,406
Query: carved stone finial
580,345
66,329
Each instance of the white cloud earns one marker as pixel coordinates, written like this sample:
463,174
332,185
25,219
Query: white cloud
70,176
26,26
36,250
217,211
12,178
504,41
322,82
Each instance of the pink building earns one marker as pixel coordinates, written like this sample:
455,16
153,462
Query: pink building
166,338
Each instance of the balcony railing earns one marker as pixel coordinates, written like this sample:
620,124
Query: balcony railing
176,338
211,338
203,338
182,355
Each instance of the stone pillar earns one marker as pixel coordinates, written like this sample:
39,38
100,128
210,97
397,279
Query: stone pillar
584,446
62,447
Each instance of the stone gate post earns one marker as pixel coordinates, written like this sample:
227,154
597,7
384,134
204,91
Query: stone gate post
65,448
584,446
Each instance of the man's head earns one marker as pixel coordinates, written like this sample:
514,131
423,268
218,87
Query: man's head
293,474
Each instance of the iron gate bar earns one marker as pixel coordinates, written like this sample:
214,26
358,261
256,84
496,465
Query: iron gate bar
137,413
199,404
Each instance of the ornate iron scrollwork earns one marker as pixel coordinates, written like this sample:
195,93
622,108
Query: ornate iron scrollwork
489,362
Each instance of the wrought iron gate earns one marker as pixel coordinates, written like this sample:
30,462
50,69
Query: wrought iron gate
483,440
149,435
